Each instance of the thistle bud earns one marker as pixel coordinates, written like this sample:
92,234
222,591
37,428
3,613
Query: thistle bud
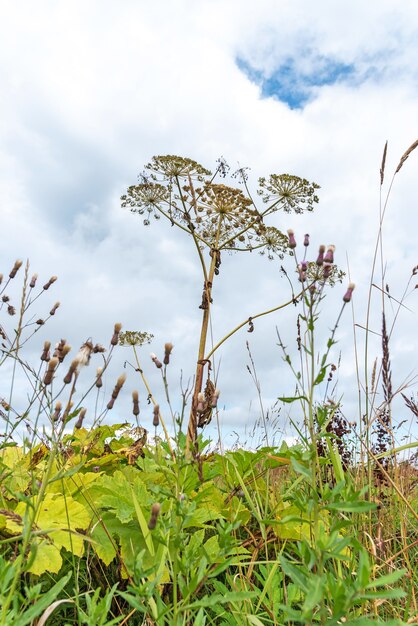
1,278
99,382
155,360
135,401
33,281
156,418
115,336
15,269
45,356
329,257
49,374
155,512
81,417
50,282
54,308
167,351
349,292
327,270
57,412
119,384
306,240
72,370
292,240
320,259
67,412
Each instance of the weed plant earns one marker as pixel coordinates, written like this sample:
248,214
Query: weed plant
113,525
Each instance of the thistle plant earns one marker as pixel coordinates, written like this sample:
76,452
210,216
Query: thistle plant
218,218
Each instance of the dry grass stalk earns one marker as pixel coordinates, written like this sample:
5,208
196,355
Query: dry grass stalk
382,167
411,404
406,155
386,370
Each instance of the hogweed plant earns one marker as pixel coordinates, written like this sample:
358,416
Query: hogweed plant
218,218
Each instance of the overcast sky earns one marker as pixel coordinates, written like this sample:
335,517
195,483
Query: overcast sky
91,90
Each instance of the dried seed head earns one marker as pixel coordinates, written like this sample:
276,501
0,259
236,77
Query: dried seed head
15,269
81,417
155,360
201,402
98,348
1,278
99,382
67,411
50,282
320,259
33,281
292,240
115,392
84,354
59,350
40,322
5,298
120,381
11,310
155,511
115,337
349,292
54,308
167,351
156,418
49,374
45,356
57,412
135,400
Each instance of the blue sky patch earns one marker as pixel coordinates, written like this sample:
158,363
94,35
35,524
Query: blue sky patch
294,85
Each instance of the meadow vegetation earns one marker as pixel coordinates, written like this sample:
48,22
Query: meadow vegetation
152,524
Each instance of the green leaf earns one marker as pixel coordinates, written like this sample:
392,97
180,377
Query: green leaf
351,507
388,579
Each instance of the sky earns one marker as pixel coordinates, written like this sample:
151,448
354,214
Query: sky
90,91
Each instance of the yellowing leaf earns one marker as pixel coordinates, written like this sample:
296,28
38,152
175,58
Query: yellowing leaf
47,558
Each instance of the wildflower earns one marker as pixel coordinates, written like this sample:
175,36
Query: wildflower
15,269
50,371
289,193
155,360
50,282
115,337
135,401
292,240
156,418
167,351
155,511
349,292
